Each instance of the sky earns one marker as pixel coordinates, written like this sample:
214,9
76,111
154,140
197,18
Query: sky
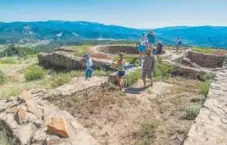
129,13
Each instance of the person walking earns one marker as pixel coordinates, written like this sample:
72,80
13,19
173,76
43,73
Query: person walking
148,67
120,66
89,67
142,46
151,41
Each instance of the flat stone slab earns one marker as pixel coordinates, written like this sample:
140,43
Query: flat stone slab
210,127
77,85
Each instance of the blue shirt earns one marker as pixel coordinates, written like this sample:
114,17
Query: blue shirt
151,38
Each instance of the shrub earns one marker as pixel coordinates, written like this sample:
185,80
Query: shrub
76,73
192,111
10,92
2,78
129,59
147,132
102,72
81,50
60,79
132,78
208,76
34,73
204,87
162,70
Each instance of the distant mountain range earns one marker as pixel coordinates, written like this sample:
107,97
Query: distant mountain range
22,32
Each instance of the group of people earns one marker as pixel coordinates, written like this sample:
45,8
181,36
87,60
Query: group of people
147,41
147,52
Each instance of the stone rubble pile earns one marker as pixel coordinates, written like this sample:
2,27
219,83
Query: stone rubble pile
37,122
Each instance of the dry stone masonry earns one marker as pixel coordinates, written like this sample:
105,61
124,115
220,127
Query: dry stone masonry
210,127
65,60
50,127
196,59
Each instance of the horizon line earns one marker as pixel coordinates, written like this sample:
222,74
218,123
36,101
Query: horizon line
170,26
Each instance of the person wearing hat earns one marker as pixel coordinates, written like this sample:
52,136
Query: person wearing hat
89,66
151,40
142,46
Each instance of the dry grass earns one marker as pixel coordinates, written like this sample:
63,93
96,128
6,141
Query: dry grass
210,51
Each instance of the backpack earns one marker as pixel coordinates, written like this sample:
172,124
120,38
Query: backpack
93,67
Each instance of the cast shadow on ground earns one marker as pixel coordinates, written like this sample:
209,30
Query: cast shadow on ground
133,90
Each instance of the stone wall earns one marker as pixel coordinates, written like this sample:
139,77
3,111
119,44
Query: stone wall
206,60
189,72
210,127
64,60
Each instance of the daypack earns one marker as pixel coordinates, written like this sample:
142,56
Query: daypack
93,67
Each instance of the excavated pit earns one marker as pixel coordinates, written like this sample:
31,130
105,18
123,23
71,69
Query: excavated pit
198,60
118,49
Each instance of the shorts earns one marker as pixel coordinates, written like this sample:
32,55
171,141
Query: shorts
121,73
142,49
147,73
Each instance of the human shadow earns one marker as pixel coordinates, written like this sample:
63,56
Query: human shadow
133,90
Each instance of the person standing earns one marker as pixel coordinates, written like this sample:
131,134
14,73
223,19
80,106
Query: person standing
179,43
142,46
120,66
89,67
151,41
148,67
159,49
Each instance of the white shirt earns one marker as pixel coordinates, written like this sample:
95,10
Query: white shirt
143,40
89,63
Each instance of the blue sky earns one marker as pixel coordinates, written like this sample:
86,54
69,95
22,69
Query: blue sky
130,13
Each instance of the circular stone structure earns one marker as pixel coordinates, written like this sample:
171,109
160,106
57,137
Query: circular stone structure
118,49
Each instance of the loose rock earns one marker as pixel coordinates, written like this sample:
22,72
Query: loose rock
58,126
20,116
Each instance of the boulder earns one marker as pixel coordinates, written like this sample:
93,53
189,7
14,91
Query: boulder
58,126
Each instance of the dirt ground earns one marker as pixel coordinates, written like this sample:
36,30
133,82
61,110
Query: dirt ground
140,116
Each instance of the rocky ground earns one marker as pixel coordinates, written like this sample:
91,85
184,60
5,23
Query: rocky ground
116,118
92,112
